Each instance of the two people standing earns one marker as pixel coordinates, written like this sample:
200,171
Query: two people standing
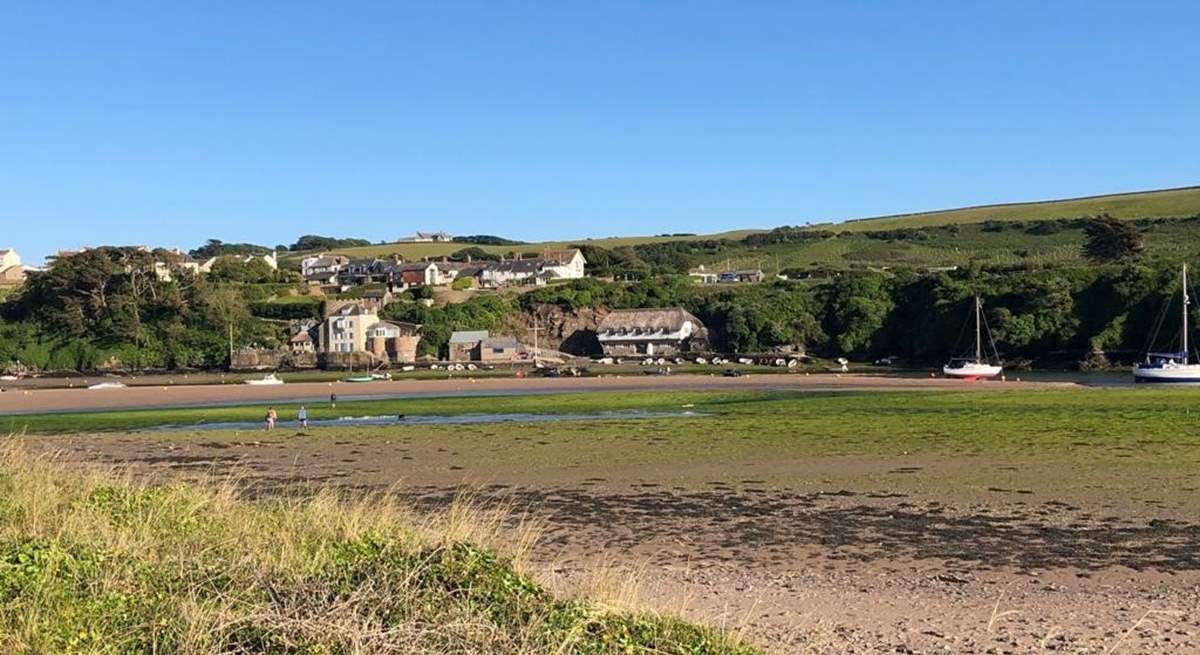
272,417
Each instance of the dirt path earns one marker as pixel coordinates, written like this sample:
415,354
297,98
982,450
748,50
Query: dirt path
18,400
845,554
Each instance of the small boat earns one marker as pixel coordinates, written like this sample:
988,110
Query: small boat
1171,367
358,378
976,366
9,378
107,385
266,380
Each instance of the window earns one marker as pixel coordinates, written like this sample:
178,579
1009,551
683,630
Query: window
497,351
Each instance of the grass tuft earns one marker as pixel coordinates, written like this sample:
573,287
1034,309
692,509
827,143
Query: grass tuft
97,562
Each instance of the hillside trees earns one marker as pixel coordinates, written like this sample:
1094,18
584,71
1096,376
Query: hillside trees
856,307
1109,239
107,304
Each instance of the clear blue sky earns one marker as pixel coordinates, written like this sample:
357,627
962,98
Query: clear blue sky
256,121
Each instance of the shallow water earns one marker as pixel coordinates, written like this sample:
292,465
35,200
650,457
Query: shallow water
427,419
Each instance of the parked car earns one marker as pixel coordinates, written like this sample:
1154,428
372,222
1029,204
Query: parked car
732,373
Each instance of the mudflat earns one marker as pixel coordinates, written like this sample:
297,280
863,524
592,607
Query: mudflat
19,399
1039,520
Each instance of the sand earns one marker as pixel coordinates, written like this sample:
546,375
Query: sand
17,399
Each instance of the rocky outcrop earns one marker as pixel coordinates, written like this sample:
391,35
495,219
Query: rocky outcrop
569,331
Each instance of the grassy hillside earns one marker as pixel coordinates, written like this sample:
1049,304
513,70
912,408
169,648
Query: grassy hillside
996,244
1163,203
93,563
411,251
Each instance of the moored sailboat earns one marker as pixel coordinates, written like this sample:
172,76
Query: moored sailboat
1175,367
976,366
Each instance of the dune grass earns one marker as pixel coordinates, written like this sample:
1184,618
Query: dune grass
95,562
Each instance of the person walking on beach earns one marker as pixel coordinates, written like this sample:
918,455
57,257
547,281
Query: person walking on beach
271,418
303,416
333,401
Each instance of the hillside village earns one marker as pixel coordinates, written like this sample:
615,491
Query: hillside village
435,300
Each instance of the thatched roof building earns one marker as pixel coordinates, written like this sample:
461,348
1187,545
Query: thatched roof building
655,331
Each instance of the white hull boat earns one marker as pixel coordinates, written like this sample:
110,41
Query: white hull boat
1167,372
267,380
971,370
1171,367
106,385
976,366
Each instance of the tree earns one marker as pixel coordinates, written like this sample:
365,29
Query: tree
1109,239
226,309
856,307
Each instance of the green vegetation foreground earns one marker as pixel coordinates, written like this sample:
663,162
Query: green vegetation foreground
92,563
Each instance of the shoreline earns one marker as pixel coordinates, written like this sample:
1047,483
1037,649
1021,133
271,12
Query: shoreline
18,402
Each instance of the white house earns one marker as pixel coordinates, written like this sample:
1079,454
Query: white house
657,331
567,264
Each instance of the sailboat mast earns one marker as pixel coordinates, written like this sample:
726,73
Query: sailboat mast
978,335
1185,316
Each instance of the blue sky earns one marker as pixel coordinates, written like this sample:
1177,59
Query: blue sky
167,124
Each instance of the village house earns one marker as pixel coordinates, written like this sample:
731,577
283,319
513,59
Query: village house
744,275
377,299
427,237
302,343
702,275
667,331
480,346
415,274
345,328
567,264
366,271
11,270
322,263
513,272
353,326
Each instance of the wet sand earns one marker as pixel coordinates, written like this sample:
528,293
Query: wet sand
19,400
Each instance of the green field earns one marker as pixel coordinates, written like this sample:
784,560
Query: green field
416,251
1160,203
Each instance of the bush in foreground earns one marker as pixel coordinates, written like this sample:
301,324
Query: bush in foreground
96,563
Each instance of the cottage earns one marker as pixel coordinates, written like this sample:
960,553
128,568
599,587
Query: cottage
415,274
702,275
517,271
745,275
11,270
628,332
567,264
322,265
302,342
377,299
367,271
